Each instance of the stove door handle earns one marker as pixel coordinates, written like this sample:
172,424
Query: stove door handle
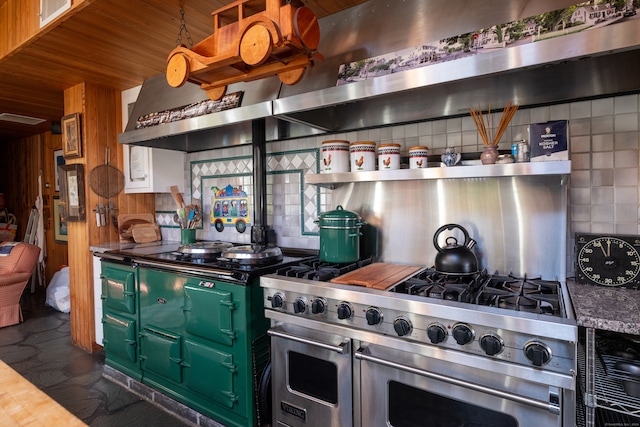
551,407
341,349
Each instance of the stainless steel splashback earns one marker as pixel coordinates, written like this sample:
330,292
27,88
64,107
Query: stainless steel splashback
519,222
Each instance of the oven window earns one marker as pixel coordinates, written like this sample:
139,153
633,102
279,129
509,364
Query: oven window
313,377
412,407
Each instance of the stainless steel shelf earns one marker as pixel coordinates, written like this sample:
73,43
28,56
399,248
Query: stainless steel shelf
333,180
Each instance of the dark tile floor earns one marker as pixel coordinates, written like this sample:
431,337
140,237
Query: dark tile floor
40,349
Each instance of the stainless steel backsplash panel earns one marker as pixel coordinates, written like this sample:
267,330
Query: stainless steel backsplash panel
519,223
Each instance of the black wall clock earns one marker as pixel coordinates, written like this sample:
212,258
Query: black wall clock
608,260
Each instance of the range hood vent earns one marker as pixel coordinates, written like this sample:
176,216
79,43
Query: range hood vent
592,63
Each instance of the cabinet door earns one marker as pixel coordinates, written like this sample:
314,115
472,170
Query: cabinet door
209,372
118,288
119,336
208,314
161,353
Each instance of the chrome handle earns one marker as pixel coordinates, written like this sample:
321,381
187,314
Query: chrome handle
183,269
342,349
553,408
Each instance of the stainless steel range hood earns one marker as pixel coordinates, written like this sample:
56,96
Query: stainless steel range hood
592,63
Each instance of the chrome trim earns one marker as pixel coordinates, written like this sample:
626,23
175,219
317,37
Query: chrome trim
565,381
359,354
342,349
208,271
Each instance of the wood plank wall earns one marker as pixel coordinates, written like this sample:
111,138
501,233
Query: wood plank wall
99,109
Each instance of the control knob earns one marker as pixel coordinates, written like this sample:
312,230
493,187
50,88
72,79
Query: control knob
462,333
491,344
277,301
538,353
344,311
436,333
318,306
402,326
300,305
373,315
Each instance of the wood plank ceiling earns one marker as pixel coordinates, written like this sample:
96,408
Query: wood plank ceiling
115,43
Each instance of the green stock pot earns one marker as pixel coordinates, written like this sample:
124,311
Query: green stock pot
339,236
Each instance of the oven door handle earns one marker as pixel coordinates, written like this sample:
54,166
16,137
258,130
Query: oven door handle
342,348
551,407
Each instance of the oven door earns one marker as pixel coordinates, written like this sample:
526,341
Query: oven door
403,389
311,378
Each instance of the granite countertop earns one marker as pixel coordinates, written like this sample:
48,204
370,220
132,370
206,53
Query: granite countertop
608,309
162,245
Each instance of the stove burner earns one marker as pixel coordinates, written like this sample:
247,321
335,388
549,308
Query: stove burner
503,291
321,271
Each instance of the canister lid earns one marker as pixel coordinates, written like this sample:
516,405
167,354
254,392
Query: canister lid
419,148
336,141
372,143
389,146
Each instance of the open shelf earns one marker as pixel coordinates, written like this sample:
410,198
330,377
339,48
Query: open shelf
332,180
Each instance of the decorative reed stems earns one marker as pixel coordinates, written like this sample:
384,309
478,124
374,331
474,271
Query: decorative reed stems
485,130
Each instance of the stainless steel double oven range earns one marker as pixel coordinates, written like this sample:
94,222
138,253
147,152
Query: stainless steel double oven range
437,350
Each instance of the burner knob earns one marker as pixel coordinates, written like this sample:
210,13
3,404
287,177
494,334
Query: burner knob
402,326
277,301
491,344
318,306
436,333
300,305
344,311
537,353
373,315
462,333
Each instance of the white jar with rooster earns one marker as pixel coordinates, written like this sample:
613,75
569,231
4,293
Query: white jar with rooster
418,157
335,156
363,156
389,156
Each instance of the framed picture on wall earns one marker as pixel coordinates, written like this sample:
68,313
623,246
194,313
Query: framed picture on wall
58,160
59,224
72,201
71,136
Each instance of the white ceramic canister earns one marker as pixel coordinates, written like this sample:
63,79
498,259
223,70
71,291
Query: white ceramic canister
335,156
363,156
388,156
418,157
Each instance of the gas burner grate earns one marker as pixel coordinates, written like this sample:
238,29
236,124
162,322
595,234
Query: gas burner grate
321,271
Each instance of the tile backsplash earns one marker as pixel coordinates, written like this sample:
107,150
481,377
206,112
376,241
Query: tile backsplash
603,190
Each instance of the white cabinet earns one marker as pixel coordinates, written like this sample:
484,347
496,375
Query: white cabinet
97,299
152,170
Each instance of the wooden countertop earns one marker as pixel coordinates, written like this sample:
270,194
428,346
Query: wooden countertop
23,404
608,309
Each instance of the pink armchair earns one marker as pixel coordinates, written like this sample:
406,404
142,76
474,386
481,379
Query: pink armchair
15,271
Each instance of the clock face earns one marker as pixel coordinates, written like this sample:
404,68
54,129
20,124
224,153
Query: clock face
608,260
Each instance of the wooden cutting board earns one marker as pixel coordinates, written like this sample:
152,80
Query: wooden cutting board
145,233
127,221
380,275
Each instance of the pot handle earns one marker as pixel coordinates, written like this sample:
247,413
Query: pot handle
467,239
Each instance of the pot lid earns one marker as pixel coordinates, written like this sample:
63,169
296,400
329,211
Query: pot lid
204,249
339,213
253,254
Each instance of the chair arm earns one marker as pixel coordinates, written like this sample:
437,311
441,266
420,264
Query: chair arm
12,278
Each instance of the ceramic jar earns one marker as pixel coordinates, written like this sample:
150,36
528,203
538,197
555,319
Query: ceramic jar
363,156
418,157
388,156
489,154
335,156
450,157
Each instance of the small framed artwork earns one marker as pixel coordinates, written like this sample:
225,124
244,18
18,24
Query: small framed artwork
59,224
72,201
71,136
58,160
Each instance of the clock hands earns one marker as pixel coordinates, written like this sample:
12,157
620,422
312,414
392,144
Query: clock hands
608,252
